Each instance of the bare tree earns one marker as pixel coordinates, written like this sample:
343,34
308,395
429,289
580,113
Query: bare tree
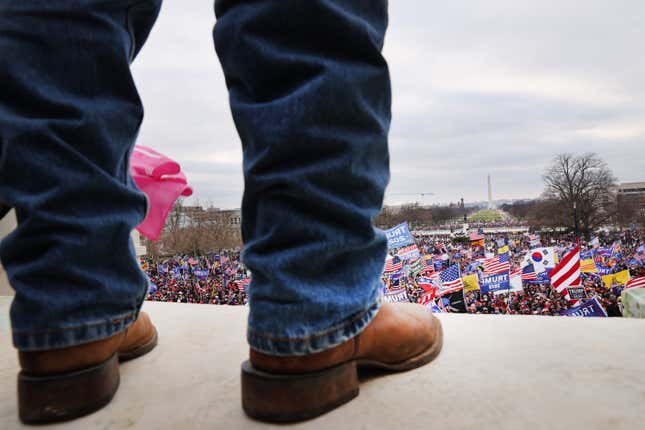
584,181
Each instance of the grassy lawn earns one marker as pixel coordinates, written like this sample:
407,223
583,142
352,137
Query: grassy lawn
486,215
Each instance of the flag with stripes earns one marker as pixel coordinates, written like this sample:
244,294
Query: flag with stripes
528,273
588,266
450,279
566,273
497,264
636,282
243,284
392,264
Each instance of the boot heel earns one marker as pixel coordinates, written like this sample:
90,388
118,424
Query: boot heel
51,398
289,398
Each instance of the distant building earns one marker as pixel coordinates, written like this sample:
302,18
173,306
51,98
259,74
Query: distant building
633,190
632,193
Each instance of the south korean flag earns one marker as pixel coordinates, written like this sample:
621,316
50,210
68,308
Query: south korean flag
543,259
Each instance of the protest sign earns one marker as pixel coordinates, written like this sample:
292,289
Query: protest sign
577,293
493,283
590,308
201,273
396,295
410,252
454,302
399,236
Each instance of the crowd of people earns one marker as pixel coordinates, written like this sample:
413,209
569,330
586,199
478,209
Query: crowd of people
611,253
218,278
221,278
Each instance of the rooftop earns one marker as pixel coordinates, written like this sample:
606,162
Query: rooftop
494,373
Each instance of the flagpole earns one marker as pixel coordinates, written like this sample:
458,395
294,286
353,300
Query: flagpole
575,223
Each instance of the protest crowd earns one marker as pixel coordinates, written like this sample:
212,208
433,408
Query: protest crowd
218,278
475,273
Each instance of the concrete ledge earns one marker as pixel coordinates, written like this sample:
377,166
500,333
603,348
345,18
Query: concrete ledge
494,373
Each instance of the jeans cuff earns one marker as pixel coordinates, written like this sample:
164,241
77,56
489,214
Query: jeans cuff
318,341
65,337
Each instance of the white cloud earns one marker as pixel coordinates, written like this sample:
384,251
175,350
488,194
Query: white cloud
498,86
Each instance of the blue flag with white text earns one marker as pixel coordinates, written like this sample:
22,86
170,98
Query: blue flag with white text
399,236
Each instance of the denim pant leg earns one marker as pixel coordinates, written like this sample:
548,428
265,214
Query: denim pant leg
310,96
69,115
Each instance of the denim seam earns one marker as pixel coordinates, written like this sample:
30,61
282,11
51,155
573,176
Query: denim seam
332,329
76,327
350,329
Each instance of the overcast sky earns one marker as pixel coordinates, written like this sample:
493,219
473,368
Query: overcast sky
497,86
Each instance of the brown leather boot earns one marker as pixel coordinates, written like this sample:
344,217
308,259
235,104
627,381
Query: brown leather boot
61,384
402,336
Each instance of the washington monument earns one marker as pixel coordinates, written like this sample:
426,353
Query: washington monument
490,193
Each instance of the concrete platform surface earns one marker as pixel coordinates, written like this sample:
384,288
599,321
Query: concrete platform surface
494,373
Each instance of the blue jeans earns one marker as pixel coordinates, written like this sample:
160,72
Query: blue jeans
310,97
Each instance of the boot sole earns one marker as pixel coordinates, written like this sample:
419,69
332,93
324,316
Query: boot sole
286,398
61,397
283,398
140,350
65,396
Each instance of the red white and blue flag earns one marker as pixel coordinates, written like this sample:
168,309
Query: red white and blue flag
567,273
392,265
636,282
528,273
450,280
497,264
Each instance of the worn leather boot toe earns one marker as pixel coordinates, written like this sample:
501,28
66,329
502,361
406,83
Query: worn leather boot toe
62,384
402,336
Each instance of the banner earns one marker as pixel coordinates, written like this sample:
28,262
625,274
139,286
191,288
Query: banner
515,284
471,283
602,270
396,295
577,293
454,302
409,252
493,283
201,273
590,308
399,236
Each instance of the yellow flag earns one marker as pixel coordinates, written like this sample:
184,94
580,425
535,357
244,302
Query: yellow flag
588,266
608,280
503,249
471,283
621,277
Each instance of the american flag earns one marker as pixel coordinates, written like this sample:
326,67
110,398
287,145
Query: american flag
393,265
476,236
516,272
450,280
567,273
426,298
426,283
528,273
243,284
640,252
497,264
636,282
